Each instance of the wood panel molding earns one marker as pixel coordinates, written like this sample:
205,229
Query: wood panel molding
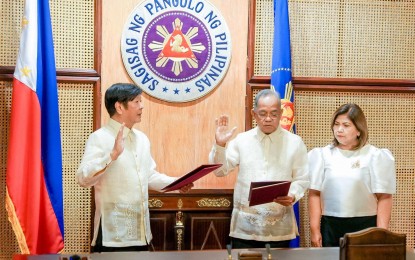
194,200
354,85
313,83
197,220
331,85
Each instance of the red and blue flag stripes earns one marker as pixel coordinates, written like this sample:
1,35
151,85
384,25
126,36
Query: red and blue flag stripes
34,198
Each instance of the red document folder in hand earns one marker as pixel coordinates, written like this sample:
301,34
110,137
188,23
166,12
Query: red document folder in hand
266,191
192,176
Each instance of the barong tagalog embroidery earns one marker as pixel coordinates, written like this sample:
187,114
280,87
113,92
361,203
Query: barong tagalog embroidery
264,216
356,165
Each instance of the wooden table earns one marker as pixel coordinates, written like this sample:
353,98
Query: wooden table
330,253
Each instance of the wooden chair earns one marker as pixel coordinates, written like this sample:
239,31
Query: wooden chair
373,244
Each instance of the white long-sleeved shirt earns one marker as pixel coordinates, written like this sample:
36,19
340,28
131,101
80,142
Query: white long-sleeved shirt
348,180
282,157
121,191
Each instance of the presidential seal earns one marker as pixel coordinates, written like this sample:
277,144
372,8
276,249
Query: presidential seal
176,50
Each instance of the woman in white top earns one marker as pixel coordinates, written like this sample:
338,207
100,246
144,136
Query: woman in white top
351,181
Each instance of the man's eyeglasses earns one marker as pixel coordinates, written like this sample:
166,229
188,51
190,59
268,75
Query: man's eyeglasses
263,115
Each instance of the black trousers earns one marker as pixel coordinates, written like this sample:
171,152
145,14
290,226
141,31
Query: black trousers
100,248
242,243
333,228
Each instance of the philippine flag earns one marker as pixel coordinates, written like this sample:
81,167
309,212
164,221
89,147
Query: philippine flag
34,199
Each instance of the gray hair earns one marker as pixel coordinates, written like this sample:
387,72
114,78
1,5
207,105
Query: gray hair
265,93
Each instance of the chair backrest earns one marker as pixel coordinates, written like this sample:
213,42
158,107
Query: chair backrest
373,243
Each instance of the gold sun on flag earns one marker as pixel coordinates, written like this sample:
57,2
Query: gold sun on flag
25,22
25,71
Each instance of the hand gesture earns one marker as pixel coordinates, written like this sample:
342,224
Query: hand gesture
223,134
118,144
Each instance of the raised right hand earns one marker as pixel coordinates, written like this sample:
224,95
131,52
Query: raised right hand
223,134
118,144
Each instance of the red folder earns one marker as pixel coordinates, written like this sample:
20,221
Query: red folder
266,191
192,176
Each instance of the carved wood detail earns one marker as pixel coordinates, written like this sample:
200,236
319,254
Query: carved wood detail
196,220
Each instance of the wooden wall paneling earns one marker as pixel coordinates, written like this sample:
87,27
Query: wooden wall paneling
204,215
162,224
378,98
354,85
77,201
98,37
182,134
325,61
251,42
208,230
390,120
74,36
251,77
8,243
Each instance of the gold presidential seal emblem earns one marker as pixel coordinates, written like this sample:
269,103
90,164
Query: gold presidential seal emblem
176,50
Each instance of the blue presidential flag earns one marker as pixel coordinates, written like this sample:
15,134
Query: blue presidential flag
281,79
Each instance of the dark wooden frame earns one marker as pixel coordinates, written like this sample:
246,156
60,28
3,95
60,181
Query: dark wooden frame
169,206
77,75
310,83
